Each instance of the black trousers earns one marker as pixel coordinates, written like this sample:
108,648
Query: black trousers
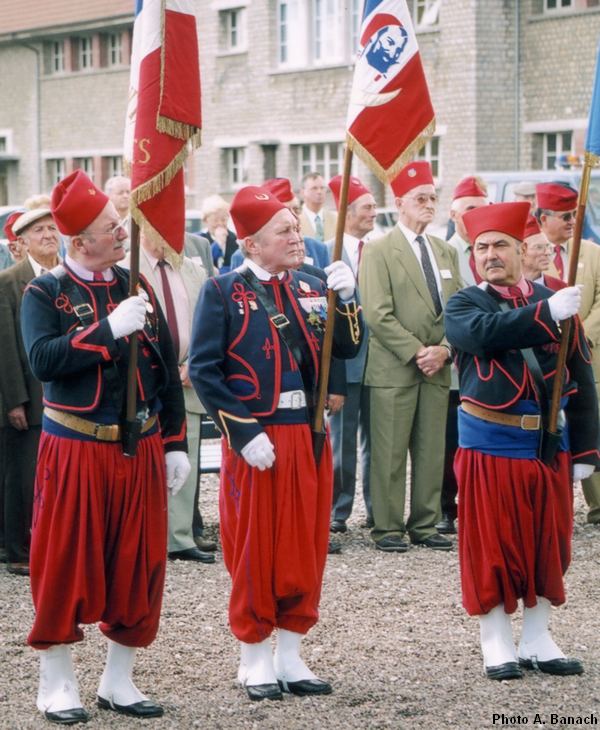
449,485
21,458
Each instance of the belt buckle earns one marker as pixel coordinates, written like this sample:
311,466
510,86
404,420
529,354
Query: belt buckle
296,400
530,422
107,431
279,321
83,310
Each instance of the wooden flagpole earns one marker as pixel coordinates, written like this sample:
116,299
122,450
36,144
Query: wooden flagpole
319,415
589,162
131,427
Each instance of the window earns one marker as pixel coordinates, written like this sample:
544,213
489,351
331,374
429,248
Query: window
235,173
324,158
114,50
57,57
426,13
86,164
233,29
113,166
431,153
3,145
327,31
550,5
56,171
85,55
355,23
292,27
548,149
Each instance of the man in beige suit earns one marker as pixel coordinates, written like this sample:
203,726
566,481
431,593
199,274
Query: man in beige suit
557,207
405,279
315,221
182,288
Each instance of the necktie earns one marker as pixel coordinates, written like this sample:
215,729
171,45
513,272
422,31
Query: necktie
429,275
514,292
360,250
169,306
98,276
473,267
558,262
319,232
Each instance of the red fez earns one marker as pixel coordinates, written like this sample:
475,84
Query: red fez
469,187
532,227
411,176
552,196
355,189
281,188
251,208
8,231
507,218
76,202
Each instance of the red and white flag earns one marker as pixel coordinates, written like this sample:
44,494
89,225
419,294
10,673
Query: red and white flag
163,115
390,116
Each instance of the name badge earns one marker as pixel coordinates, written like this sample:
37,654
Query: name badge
445,273
313,304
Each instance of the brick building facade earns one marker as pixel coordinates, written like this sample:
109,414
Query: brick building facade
510,80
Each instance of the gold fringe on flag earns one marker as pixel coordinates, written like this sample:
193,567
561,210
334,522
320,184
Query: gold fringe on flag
160,181
180,130
387,175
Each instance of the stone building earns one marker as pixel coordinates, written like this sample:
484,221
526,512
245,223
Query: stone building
510,81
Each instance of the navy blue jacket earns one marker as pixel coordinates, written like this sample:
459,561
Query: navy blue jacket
70,359
493,373
238,363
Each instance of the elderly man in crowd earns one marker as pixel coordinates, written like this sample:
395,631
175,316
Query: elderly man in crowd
515,496
255,361
405,279
99,539
20,391
315,220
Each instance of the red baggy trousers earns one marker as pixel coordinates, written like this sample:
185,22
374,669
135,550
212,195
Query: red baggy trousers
275,533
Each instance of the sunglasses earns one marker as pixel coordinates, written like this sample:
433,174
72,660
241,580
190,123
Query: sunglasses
566,217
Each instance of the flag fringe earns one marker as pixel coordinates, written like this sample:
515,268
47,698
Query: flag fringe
160,181
179,130
592,159
171,255
388,174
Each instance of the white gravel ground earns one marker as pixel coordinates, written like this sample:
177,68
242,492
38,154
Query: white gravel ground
393,639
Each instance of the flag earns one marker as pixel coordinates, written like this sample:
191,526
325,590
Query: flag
163,115
390,115
592,142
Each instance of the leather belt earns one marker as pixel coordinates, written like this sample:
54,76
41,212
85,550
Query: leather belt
292,399
100,431
526,422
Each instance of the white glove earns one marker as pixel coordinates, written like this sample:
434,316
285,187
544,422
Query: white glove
341,279
565,303
582,471
128,317
178,470
259,452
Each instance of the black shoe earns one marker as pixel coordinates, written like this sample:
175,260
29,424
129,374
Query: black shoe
562,666
446,525
145,708
306,687
338,526
205,545
509,670
258,692
334,547
192,554
435,542
67,717
391,544
18,569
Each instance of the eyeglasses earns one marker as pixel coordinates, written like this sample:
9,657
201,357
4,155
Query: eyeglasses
566,217
113,232
423,199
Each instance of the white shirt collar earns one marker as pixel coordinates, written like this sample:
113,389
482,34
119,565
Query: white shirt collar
38,269
261,274
409,234
311,216
84,273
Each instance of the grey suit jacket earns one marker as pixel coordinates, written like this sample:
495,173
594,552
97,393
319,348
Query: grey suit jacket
196,246
194,277
399,310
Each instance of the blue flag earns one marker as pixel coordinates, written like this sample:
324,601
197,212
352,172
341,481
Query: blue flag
592,142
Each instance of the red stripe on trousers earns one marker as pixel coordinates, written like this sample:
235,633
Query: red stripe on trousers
99,540
275,532
515,523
